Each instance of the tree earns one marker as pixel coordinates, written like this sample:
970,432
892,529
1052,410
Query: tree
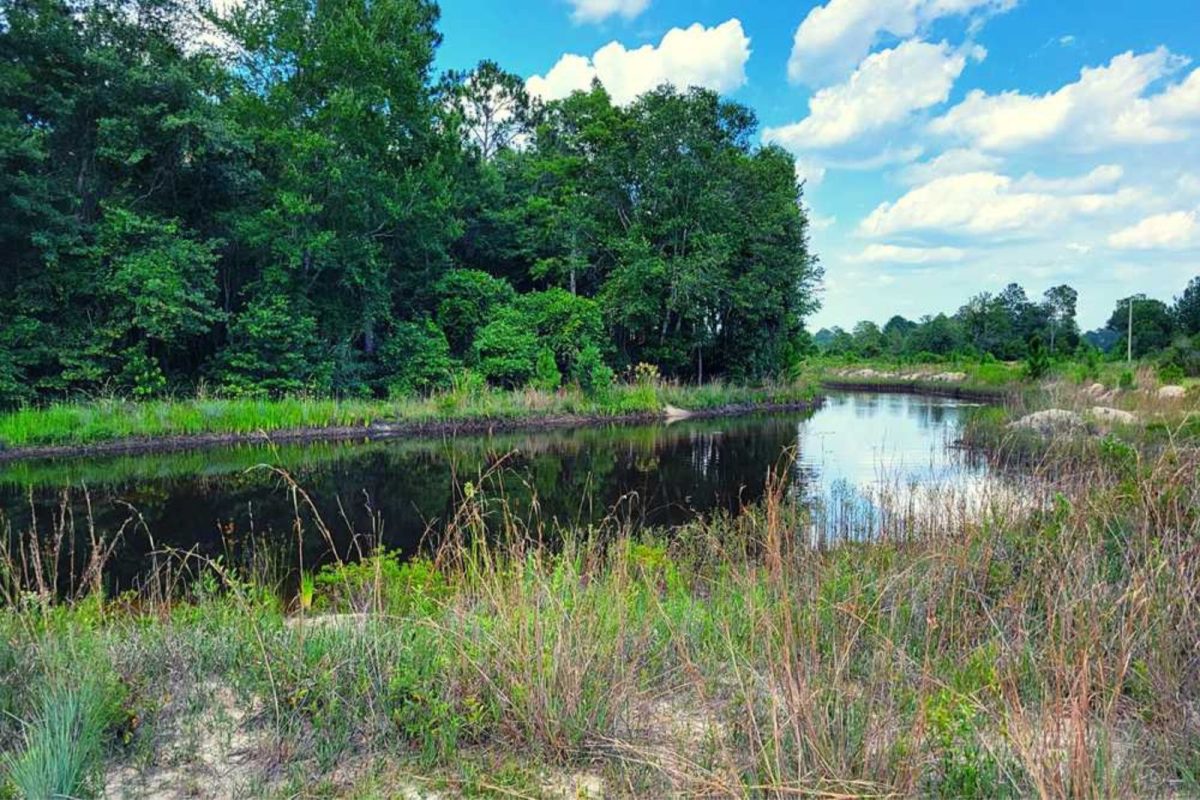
868,339
1187,308
1060,303
1153,325
493,110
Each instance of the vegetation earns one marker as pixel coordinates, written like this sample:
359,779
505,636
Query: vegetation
468,399
1039,646
287,199
1010,327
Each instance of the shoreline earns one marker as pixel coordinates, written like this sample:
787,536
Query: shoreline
378,431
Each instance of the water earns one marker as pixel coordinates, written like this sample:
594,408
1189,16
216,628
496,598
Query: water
837,460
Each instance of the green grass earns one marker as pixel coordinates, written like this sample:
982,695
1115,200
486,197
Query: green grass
79,423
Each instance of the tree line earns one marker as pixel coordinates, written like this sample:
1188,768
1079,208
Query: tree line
288,197
1010,326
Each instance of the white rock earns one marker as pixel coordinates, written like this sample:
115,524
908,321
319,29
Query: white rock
1096,390
1113,415
1050,422
1172,392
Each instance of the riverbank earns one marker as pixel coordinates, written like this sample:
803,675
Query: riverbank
115,426
1044,647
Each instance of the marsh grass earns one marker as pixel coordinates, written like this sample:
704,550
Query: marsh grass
111,418
1032,643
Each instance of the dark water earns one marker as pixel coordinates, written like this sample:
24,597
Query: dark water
395,492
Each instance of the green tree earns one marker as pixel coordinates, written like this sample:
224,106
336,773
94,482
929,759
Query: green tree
415,357
273,349
1187,308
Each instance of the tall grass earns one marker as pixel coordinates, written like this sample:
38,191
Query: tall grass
61,749
106,419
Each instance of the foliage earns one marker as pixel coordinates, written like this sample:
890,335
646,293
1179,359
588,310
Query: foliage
506,350
546,376
416,358
273,349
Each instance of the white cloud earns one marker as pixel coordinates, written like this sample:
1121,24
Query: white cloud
1107,106
600,10
809,171
951,162
885,88
834,37
896,254
1102,177
1174,231
714,58
985,204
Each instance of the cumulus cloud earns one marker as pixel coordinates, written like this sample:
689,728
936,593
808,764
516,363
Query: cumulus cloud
835,36
600,10
986,204
1107,106
714,58
810,172
950,162
885,88
897,254
1174,231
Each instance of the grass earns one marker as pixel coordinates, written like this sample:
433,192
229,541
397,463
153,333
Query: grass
108,419
1042,646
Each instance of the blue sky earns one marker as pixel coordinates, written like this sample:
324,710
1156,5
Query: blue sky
949,146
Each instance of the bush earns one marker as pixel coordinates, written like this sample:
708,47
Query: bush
564,322
415,358
546,375
469,298
273,349
1126,380
505,351
592,374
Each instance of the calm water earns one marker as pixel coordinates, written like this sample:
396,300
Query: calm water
837,459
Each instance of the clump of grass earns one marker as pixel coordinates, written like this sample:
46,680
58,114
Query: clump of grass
62,746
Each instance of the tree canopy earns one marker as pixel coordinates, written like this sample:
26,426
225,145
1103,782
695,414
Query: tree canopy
288,197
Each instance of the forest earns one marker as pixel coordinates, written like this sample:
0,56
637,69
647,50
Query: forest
1009,326
289,197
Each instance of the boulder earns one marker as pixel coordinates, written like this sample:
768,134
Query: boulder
1096,390
1172,392
1051,422
1113,416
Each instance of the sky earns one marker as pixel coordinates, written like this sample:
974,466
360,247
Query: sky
948,147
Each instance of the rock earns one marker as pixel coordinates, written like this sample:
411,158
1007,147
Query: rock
673,413
1172,392
1113,415
1051,422
1096,390
949,377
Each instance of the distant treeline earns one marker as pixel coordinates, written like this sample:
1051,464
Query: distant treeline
1009,326
288,198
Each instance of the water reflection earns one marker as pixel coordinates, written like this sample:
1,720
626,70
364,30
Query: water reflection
847,456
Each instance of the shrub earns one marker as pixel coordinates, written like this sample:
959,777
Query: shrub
546,375
416,358
592,374
505,351
273,349
1126,380
469,298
